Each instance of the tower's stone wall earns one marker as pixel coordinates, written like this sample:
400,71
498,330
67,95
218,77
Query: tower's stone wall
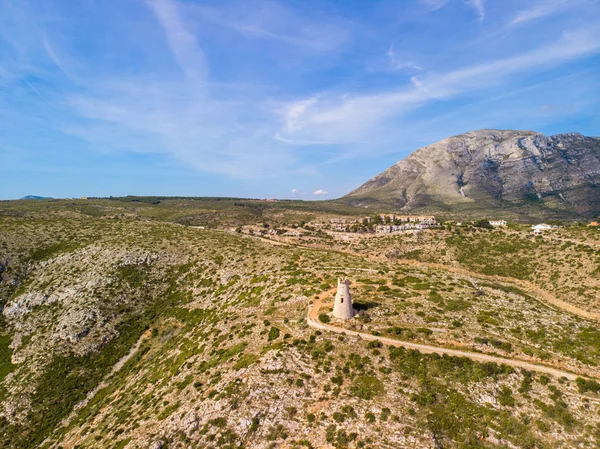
342,307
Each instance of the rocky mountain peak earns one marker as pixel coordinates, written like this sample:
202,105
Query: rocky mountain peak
524,171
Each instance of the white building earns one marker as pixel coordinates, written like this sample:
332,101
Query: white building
383,229
339,227
388,229
538,228
429,219
498,222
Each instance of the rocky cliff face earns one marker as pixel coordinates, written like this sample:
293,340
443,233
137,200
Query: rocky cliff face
524,171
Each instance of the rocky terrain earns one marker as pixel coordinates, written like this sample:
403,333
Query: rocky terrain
515,173
121,328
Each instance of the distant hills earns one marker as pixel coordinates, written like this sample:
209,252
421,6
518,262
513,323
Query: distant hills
35,197
519,174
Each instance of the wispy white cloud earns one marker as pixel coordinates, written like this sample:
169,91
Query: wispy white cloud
56,60
182,42
296,110
189,118
478,6
572,45
299,142
263,88
270,20
434,5
207,134
353,118
541,10
399,65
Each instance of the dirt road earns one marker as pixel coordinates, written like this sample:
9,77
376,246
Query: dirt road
312,320
539,294
528,287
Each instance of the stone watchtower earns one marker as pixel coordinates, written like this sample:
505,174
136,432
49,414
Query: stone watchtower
342,307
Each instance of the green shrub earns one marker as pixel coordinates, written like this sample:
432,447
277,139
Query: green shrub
5,356
435,297
487,317
337,380
330,433
324,318
327,346
526,383
273,334
367,387
168,411
505,397
585,385
374,344
544,380
385,414
245,361
277,432
254,425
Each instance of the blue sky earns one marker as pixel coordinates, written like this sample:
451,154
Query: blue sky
290,99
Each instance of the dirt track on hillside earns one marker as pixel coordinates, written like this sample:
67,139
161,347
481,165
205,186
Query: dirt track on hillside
312,320
528,287
539,294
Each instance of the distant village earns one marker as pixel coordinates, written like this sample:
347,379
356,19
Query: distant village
383,223
344,228
377,224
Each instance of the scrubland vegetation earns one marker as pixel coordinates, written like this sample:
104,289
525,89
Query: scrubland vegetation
123,328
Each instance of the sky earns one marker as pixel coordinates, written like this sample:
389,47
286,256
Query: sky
275,99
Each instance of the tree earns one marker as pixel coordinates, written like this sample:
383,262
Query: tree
483,224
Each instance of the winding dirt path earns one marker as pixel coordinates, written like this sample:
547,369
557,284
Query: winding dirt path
528,287
538,293
312,320
104,383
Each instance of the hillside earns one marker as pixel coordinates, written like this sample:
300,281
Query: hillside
521,174
123,329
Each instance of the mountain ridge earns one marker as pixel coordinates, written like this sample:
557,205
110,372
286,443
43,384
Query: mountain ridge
524,172
35,197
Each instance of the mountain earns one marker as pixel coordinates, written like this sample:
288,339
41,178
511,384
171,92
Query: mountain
522,173
35,197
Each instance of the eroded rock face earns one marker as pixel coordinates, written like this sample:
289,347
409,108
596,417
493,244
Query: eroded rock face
488,169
